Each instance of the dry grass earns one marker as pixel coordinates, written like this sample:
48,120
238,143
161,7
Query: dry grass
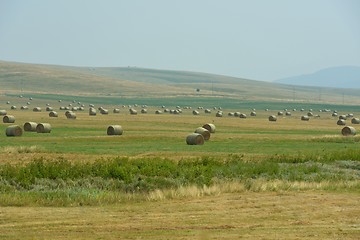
248,215
256,185
22,149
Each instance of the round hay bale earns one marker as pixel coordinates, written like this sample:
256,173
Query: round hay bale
195,139
116,110
24,108
49,109
207,110
305,118
348,131
280,113
158,112
114,130
53,114
70,115
195,112
272,118
104,111
8,119
144,110
341,122
132,111
237,114
37,109
219,114
3,112
343,117
92,111
310,114
30,126
334,114
355,121
204,132
288,113
13,107
210,127
242,115
13,131
43,128
350,115
231,114
253,114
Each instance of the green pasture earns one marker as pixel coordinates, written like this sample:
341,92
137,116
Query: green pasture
165,134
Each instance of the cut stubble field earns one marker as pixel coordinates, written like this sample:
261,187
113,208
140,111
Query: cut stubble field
259,206
246,215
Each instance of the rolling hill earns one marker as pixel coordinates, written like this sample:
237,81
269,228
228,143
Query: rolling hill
132,82
336,77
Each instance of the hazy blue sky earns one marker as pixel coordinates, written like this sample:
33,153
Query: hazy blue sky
256,39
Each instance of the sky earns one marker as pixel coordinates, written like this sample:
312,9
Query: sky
255,39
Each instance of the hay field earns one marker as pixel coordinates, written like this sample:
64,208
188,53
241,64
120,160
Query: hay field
164,134
322,204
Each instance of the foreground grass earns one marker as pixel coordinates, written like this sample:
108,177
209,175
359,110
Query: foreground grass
108,181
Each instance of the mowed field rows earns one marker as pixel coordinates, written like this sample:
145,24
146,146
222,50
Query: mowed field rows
245,215
164,134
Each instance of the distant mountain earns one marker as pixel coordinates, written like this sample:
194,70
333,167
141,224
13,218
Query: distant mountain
335,77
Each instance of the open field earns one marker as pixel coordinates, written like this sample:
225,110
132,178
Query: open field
295,180
288,179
